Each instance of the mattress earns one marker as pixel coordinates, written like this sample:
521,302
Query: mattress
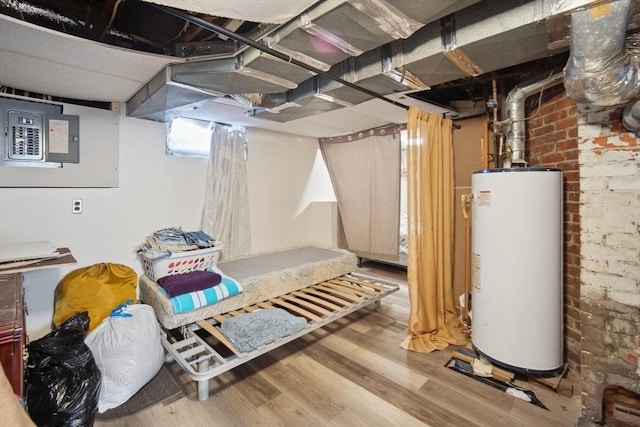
262,276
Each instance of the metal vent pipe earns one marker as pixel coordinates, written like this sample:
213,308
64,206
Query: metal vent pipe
246,41
514,108
631,116
600,71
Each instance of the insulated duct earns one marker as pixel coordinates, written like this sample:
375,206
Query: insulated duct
284,57
600,70
294,75
631,116
514,26
514,107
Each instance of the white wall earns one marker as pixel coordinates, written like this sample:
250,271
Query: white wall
291,202
99,151
291,199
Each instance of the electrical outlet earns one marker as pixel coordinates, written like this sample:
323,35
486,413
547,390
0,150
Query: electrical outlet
76,206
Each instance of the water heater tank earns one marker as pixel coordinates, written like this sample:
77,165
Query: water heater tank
516,301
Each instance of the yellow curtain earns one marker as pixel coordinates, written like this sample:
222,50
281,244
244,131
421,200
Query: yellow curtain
433,319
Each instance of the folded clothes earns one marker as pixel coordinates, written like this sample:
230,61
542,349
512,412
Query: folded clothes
184,303
173,239
200,238
192,281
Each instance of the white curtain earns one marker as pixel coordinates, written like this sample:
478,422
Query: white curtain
365,173
225,215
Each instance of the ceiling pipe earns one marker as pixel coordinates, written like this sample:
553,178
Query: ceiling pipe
515,113
259,46
631,116
600,70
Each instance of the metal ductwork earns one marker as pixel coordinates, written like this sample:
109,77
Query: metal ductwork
333,33
631,116
515,112
483,37
163,99
344,52
601,71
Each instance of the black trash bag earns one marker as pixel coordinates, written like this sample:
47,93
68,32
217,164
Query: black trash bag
63,380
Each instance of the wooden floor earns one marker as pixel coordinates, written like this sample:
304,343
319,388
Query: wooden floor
353,373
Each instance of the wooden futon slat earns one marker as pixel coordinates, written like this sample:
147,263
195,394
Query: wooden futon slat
320,304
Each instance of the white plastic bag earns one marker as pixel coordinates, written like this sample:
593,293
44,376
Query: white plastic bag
127,349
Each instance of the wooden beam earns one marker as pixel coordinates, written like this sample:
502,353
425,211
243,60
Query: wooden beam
217,334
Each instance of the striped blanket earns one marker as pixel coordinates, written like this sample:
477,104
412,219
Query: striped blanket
184,303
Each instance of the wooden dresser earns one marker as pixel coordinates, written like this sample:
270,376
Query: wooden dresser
13,334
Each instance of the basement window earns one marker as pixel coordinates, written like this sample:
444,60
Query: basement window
189,137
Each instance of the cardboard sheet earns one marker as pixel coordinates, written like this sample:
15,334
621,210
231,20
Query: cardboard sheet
27,251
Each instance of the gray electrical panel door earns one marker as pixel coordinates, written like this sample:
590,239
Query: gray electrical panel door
63,138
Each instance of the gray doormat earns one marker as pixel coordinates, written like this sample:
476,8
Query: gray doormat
163,388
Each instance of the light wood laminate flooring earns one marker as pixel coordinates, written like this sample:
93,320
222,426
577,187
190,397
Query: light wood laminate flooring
354,373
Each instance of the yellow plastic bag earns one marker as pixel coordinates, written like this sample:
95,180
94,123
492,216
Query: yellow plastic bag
98,289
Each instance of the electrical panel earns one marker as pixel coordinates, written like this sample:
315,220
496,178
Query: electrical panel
37,134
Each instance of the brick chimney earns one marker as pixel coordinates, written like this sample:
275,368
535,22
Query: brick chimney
601,167
609,159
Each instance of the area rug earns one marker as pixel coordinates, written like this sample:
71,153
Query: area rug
163,388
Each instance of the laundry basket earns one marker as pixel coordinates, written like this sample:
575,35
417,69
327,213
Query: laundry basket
181,262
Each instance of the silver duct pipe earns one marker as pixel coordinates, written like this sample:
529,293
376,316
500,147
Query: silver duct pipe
259,46
600,70
631,116
514,110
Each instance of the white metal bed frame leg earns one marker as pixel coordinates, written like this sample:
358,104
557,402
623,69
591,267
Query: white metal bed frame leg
201,362
203,385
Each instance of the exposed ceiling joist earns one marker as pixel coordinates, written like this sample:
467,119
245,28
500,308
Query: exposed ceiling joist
317,59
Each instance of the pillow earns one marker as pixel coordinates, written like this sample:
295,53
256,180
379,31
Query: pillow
192,281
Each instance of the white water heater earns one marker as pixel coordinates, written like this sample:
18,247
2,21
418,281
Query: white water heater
516,299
